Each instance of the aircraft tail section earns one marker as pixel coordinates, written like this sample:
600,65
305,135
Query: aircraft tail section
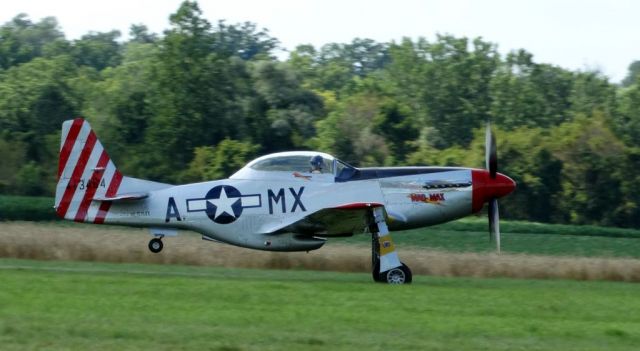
88,178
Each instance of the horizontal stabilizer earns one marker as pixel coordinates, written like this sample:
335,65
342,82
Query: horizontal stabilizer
123,197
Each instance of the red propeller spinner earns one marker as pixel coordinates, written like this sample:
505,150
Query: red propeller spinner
489,186
486,188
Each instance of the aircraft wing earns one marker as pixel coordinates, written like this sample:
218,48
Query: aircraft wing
343,220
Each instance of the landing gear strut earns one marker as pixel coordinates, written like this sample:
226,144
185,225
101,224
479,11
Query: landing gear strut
375,257
386,265
155,244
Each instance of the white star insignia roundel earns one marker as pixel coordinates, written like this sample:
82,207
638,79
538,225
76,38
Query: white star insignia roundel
224,204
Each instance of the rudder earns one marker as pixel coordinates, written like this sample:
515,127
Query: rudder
85,172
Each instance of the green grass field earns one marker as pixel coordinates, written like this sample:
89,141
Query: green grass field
66,305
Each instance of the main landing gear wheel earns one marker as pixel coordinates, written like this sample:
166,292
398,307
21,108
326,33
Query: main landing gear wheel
155,245
383,252
398,275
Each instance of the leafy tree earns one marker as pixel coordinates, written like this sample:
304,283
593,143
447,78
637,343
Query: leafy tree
218,162
139,33
591,186
348,132
22,40
526,156
525,93
193,104
404,75
396,124
633,76
36,97
244,41
627,120
13,157
627,209
333,67
592,92
456,87
98,50
303,60
120,103
184,82
333,71
361,56
428,155
290,110
29,179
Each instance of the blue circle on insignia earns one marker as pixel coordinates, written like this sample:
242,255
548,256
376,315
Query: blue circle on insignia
224,204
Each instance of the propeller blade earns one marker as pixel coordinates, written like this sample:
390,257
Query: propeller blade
491,155
494,222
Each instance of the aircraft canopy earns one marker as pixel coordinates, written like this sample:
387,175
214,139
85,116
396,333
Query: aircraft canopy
287,163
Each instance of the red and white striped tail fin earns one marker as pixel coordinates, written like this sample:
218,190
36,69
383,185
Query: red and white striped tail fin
85,172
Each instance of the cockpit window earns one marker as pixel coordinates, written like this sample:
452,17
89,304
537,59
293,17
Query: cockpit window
291,164
344,171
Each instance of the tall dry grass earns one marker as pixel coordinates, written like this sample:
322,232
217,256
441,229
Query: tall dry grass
42,241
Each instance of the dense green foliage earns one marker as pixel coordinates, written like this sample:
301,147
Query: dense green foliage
199,100
26,208
125,307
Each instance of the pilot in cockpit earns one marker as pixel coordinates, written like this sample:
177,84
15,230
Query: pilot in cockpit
316,164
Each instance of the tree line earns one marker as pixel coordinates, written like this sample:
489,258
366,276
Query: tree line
198,101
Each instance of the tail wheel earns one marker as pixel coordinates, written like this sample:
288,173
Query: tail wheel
155,245
398,275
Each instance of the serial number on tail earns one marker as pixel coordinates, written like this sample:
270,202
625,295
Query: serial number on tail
83,184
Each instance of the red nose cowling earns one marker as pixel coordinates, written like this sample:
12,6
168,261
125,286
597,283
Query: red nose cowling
485,188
